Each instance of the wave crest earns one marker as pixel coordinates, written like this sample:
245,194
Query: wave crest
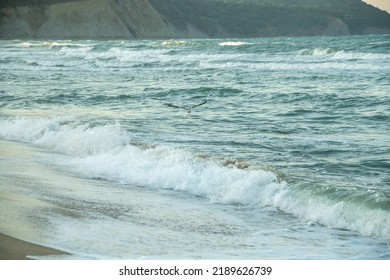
107,152
233,44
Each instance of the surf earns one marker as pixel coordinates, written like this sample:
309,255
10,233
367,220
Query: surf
107,151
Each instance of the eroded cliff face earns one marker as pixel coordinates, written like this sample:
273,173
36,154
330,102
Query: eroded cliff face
89,19
129,19
20,22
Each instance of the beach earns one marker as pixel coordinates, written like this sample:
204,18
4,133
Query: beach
13,220
16,249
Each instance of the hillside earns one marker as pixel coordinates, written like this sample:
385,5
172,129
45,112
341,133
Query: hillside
82,19
111,19
257,18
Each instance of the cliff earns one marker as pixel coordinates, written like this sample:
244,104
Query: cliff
127,19
265,18
87,19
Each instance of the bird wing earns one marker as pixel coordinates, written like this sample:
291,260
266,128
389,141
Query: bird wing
174,106
199,104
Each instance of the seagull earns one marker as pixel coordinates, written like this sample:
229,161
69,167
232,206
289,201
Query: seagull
186,108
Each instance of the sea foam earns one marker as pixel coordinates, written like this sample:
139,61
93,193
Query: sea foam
107,152
233,44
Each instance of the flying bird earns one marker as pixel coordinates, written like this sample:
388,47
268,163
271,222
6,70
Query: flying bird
188,109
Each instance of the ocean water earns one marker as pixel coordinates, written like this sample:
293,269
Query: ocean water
288,159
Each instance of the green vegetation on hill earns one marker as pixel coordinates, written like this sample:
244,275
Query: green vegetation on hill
252,18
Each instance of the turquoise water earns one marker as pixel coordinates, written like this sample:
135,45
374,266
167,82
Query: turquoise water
289,158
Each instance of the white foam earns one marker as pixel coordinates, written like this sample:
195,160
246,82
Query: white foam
102,152
173,43
233,44
169,168
361,56
45,44
63,135
105,152
342,55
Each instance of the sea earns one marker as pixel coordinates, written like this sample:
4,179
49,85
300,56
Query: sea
269,148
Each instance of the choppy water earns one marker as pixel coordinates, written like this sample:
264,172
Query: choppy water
289,157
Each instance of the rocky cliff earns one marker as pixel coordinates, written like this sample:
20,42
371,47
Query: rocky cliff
113,19
267,18
97,19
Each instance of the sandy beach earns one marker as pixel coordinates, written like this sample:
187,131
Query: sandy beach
16,249
15,225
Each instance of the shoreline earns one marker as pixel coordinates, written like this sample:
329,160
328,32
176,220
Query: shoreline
15,168
16,249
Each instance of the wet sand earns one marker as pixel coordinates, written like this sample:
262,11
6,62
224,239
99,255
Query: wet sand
16,249
14,164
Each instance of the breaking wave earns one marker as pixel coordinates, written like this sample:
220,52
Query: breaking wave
233,44
108,152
